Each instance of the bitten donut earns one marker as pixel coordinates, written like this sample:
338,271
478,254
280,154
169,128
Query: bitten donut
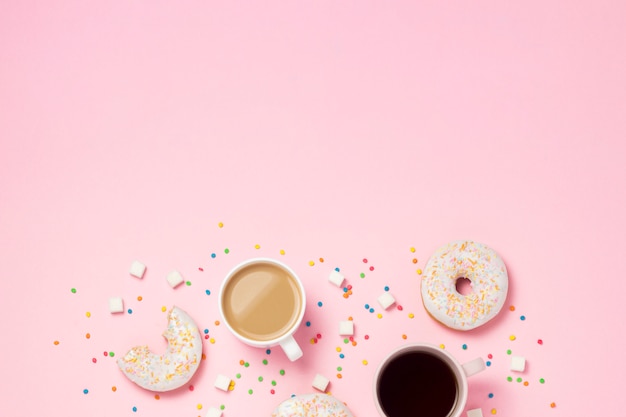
489,282
312,405
176,366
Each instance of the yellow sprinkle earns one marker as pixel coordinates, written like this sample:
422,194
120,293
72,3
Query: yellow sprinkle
364,362
312,340
212,340
442,346
199,406
311,263
282,251
338,349
380,316
419,272
257,246
231,386
88,314
493,411
220,225
163,309
411,315
412,249
512,337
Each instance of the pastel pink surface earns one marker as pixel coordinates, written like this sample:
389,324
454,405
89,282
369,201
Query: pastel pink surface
336,130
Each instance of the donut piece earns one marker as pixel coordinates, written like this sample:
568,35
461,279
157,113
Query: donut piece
176,366
489,282
312,405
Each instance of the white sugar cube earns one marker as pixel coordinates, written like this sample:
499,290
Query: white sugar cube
137,269
386,300
518,363
346,328
174,278
214,412
336,278
320,383
476,412
116,305
222,382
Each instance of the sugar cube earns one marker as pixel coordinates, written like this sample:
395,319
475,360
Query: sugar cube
476,412
137,269
336,278
346,328
174,278
214,412
518,363
116,305
320,383
386,300
222,382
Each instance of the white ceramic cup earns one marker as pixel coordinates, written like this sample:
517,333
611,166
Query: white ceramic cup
285,340
460,374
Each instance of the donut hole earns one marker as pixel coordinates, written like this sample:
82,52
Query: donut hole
463,285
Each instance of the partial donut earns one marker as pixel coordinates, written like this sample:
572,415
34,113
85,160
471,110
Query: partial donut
176,366
489,282
312,405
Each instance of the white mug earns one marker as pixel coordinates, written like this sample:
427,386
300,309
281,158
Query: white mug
262,302
422,379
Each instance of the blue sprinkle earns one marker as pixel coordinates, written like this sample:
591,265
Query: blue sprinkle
212,255
464,346
319,303
268,351
308,324
130,311
491,395
345,289
206,331
208,292
134,409
341,355
367,306
386,288
371,310
85,391
337,269
522,318
488,363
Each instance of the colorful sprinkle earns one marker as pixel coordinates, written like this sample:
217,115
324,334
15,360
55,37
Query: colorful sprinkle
282,252
411,315
130,311
522,318
56,342
282,372
490,395
319,304
509,378
512,337
464,346
88,314
113,388
414,260
412,249
311,263
542,381
73,290
552,405
419,272
134,409
364,362
540,341
308,324
226,251
512,308
213,255
493,411
362,275
188,283
488,363
85,391
257,246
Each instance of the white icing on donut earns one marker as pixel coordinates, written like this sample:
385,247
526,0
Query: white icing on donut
176,366
489,283
312,405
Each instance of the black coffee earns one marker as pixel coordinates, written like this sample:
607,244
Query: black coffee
417,384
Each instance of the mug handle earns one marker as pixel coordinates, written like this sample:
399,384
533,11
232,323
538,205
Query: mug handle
473,367
291,348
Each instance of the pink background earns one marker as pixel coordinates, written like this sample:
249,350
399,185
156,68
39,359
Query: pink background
340,130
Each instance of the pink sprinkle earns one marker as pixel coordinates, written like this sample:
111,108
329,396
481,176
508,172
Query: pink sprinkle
490,356
364,260
351,338
272,392
200,269
206,336
94,360
366,336
540,341
400,307
371,268
106,353
190,387
349,287
319,336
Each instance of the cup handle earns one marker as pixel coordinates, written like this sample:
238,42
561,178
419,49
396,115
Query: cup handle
291,348
473,367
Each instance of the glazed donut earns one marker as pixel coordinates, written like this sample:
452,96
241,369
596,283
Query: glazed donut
312,405
176,366
488,280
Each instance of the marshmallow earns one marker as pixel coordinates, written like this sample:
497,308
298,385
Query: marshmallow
214,412
386,300
346,328
518,363
222,382
320,383
137,269
174,278
116,305
336,278
476,412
